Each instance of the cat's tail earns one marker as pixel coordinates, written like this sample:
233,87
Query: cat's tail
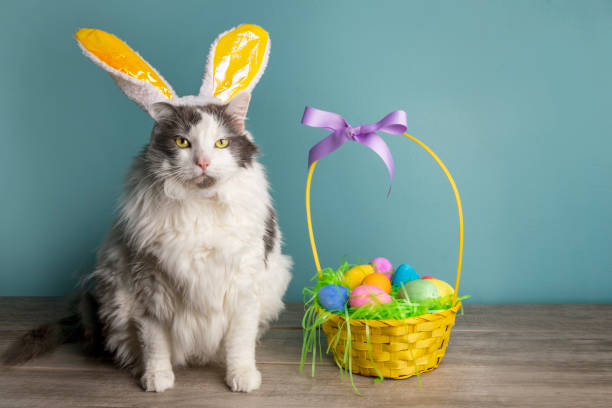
80,326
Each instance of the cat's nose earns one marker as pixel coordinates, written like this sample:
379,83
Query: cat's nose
203,163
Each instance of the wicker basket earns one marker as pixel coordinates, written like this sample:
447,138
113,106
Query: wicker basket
393,348
399,348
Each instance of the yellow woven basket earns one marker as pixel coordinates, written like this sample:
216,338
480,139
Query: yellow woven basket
392,348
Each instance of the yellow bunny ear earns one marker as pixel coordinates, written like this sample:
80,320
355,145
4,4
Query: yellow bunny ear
136,78
236,61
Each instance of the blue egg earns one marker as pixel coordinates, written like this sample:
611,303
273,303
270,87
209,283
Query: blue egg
403,274
333,297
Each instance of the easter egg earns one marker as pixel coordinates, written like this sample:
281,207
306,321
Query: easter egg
428,277
382,265
333,297
388,276
368,295
354,276
404,273
444,289
379,280
418,290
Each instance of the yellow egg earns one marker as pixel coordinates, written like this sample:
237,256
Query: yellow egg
354,276
443,288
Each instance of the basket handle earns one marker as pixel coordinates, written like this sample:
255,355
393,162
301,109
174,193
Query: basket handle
457,198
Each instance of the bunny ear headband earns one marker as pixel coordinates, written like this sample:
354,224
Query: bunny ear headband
236,61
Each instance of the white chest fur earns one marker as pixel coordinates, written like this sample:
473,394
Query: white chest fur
206,245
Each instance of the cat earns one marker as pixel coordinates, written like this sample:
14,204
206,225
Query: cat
192,270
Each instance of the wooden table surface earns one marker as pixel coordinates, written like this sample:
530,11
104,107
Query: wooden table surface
499,356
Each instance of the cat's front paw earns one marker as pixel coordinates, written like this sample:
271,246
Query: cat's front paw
157,381
243,379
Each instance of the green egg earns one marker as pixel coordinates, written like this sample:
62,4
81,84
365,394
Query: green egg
418,290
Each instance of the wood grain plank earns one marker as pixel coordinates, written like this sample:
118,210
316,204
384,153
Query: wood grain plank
579,353
25,312
465,386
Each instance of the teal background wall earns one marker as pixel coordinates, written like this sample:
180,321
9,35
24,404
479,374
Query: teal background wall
513,95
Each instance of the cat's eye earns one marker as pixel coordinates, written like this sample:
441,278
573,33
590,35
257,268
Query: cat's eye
182,142
222,143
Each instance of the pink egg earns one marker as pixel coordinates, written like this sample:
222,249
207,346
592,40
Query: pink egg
368,295
382,265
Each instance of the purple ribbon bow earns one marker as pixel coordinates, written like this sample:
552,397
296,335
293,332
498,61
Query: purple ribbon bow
395,123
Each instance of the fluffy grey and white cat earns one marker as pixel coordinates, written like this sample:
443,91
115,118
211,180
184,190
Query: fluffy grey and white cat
192,269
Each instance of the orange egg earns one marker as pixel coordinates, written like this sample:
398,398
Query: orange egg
379,280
